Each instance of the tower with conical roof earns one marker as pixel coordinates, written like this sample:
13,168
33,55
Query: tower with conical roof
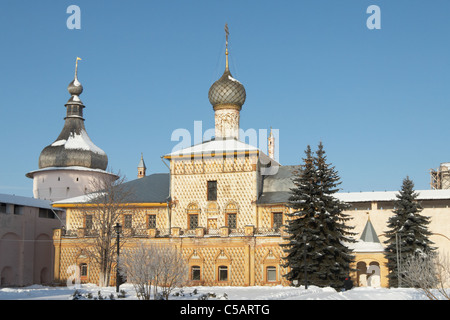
227,95
141,168
68,165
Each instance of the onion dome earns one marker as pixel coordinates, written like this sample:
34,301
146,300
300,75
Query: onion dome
73,147
227,90
75,88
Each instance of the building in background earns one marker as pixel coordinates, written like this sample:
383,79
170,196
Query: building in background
440,178
26,246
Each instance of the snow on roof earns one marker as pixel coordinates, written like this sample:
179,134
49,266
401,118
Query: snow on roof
215,146
233,79
221,146
79,199
391,195
25,201
153,188
362,246
80,142
75,168
278,186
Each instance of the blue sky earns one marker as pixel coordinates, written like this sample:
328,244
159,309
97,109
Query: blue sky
377,99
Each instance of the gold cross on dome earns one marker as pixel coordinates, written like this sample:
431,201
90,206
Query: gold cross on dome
226,46
226,32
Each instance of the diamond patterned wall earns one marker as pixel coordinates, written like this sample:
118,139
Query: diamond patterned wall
265,215
236,183
75,217
238,254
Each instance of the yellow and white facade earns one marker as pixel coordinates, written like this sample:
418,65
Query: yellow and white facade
223,204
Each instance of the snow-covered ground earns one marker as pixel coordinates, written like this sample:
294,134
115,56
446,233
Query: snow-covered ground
37,292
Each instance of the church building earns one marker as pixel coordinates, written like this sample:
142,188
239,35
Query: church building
223,203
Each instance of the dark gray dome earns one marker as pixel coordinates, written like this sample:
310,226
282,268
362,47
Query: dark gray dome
75,88
227,90
73,147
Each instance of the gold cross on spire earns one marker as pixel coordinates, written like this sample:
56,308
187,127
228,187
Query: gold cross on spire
226,32
226,45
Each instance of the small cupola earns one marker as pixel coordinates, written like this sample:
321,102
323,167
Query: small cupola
141,168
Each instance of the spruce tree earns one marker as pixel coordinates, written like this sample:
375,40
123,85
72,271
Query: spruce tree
408,232
318,218
334,259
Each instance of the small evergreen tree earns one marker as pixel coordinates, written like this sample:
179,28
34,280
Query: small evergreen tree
408,232
317,226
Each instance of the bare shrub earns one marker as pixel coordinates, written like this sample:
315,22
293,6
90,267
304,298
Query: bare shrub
429,273
153,267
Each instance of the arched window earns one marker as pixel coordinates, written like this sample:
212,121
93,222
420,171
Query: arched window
271,274
88,223
195,273
127,221
231,216
277,221
83,271
151,221
223,263
195,262
223,273
193,214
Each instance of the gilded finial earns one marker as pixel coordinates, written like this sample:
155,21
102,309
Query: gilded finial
75,88
226,45
76,67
